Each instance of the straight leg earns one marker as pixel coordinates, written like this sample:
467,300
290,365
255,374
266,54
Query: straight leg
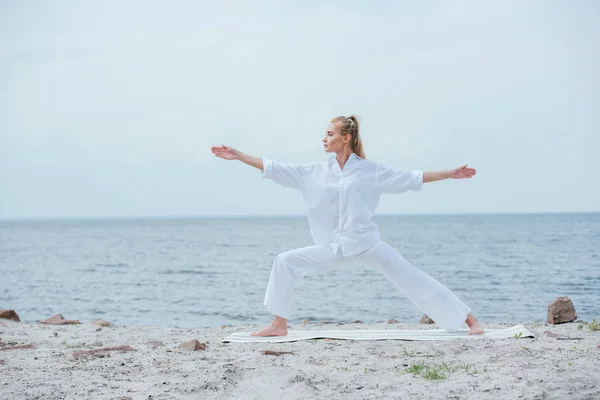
429,295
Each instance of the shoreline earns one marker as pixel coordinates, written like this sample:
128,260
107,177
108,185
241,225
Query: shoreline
70,361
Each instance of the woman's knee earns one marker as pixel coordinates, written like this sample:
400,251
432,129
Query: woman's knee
279,261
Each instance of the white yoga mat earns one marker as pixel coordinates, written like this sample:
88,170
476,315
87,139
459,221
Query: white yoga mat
387,334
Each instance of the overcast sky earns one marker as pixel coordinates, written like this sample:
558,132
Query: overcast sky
109,109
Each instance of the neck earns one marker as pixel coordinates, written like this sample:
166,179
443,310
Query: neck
342,156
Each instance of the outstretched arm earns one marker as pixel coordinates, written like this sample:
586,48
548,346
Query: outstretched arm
290,175
456,173
229,153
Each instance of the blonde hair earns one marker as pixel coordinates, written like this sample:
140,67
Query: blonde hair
350,126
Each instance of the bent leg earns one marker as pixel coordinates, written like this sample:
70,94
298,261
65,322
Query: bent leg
291,266
433,298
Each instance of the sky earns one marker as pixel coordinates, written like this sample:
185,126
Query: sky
109,109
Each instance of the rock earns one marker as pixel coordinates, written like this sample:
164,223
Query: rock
561,311
103,352
58,319
23,346
100,322
552,334
193,345
154,344
9,314
358,321
275,353
426,320
392,321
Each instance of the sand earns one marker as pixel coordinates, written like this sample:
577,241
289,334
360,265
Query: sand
562,362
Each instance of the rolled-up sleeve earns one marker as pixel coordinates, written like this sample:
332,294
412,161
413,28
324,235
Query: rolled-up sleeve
289,175
397,181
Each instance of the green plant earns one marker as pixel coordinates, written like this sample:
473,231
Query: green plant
416,368
434,374
440,371
470,370
592,326
448,367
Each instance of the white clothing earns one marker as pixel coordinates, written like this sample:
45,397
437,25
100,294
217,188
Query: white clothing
341,203
433,298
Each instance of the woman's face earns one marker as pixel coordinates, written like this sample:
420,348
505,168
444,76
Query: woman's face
333,140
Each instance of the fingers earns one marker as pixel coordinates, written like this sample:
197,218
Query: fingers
221,152
464,172
217,151
467,170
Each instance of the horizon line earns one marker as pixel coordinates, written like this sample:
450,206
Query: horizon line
208,216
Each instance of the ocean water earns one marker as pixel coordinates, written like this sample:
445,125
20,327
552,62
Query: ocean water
206,272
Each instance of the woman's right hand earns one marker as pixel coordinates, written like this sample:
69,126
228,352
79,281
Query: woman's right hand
225,152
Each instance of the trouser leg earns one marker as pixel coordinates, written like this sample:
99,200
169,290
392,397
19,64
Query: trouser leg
291,266
433,298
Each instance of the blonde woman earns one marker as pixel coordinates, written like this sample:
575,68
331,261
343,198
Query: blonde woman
341,195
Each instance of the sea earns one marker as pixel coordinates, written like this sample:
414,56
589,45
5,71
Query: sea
213,271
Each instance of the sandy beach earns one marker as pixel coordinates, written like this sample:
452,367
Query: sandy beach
69,362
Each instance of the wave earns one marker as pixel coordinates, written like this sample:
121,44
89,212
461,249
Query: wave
187,272
117,265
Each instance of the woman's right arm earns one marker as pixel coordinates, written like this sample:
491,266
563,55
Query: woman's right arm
290,175
229,153
256,162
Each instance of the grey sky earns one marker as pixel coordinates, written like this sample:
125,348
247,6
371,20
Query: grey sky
110,108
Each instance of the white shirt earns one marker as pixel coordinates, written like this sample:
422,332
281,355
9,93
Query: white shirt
341,202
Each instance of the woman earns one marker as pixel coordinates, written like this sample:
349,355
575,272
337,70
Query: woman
341,194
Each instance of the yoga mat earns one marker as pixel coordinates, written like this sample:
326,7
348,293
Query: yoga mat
387,334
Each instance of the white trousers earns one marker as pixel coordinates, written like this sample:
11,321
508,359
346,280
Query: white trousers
429,295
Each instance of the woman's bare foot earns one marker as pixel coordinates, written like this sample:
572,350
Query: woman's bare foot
475,327
277,328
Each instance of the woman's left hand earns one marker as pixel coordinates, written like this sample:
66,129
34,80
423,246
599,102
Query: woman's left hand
462,172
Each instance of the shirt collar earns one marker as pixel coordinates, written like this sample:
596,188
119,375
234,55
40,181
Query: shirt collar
355,156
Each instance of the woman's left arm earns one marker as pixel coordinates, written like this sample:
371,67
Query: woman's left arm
456,173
